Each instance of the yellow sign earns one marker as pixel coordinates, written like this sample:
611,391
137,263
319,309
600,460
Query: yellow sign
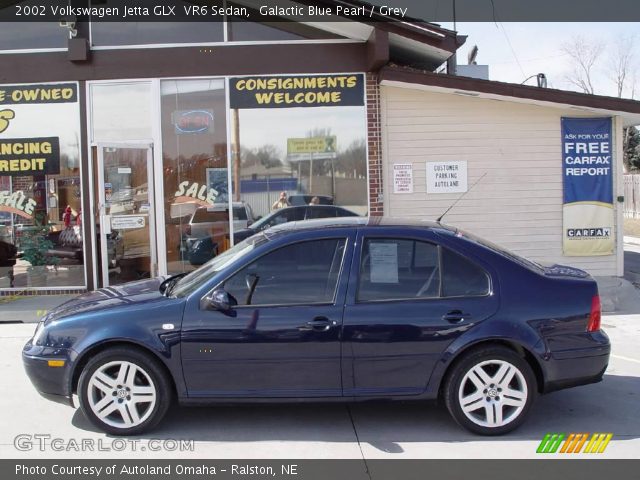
297,91
311,145
5,116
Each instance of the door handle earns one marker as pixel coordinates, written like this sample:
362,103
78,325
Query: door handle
319,324
455,316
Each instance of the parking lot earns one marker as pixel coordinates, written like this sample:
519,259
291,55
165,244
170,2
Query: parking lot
373,430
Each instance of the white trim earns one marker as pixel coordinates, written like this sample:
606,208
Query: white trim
618,145
227,44
230,189
32,50
384,150
158,178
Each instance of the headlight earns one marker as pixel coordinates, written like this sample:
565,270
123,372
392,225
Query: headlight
38,334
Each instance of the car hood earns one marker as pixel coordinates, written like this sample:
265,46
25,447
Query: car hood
128,294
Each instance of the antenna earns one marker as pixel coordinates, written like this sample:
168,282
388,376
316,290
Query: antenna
461,197
473,54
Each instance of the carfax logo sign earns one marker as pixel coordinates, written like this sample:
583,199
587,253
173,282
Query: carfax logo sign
297,91
587,163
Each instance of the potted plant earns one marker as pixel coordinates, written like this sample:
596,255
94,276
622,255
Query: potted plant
35,250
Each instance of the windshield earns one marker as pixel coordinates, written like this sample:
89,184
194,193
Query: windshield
195,279
269,221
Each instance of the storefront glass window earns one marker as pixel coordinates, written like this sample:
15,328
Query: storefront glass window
121,112
41,241
31,35
298,140
194,155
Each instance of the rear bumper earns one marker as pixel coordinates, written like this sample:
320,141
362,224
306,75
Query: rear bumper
582,366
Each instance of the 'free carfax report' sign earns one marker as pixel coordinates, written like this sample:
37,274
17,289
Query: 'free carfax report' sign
587,213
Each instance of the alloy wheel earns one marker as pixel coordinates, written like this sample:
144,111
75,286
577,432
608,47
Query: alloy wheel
121,394
493,393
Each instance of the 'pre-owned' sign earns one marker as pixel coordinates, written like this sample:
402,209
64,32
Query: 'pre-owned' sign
29,156
21,94
297,91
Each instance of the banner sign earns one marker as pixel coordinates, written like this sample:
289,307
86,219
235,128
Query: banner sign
311,145
297,91
29,156
587,213
23,94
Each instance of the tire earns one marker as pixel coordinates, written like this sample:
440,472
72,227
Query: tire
110,384
497,381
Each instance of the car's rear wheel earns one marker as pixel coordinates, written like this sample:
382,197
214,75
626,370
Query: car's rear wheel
124,391
490,390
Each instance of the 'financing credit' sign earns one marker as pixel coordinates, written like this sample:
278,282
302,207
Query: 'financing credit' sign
587,163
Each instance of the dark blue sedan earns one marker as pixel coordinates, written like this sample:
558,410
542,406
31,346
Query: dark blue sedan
346,309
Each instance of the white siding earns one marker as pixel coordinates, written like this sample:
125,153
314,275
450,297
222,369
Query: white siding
518,204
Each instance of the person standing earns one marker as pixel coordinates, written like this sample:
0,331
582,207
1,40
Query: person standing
282,202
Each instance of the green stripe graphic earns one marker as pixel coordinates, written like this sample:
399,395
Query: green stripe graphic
556,445
543,443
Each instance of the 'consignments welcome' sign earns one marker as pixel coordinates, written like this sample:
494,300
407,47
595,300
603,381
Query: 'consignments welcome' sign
297,91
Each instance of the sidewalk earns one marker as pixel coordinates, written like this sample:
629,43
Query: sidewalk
29,309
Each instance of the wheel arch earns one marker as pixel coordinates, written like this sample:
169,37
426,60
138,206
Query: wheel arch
86,355
512,345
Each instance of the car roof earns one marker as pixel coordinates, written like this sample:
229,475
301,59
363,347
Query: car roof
357,222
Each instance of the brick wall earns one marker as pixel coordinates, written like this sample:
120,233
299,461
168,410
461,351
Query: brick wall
374,145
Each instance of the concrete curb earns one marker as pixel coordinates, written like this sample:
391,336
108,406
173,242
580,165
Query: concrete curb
631,240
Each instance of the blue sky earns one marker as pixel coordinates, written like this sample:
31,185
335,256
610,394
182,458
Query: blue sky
537,49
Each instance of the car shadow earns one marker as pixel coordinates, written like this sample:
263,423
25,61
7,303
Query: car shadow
608,406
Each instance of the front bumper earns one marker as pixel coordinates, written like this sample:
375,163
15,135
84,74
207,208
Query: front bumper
53,383
578,366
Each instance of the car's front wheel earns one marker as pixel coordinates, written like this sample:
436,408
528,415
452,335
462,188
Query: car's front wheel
490,390
124,391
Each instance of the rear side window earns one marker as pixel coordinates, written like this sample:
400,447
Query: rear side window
462,278
400,269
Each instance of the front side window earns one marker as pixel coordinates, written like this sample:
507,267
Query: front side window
400,269
302,273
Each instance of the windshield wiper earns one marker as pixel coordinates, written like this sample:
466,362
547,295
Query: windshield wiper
169,283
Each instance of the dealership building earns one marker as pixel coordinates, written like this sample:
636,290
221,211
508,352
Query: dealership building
122,144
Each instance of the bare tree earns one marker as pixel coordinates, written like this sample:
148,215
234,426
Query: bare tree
621,66
584,55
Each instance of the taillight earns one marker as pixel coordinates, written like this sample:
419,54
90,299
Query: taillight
595,315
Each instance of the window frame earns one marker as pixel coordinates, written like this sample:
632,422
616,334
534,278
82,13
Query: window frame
439,248
346,238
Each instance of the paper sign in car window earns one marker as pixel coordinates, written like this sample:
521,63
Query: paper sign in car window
384,262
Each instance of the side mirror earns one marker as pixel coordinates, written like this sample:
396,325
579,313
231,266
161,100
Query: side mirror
218,300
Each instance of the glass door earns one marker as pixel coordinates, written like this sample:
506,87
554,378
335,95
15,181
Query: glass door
126,214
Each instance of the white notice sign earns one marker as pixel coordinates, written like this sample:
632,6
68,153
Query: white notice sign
127,222
384,262
446,177
402,178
